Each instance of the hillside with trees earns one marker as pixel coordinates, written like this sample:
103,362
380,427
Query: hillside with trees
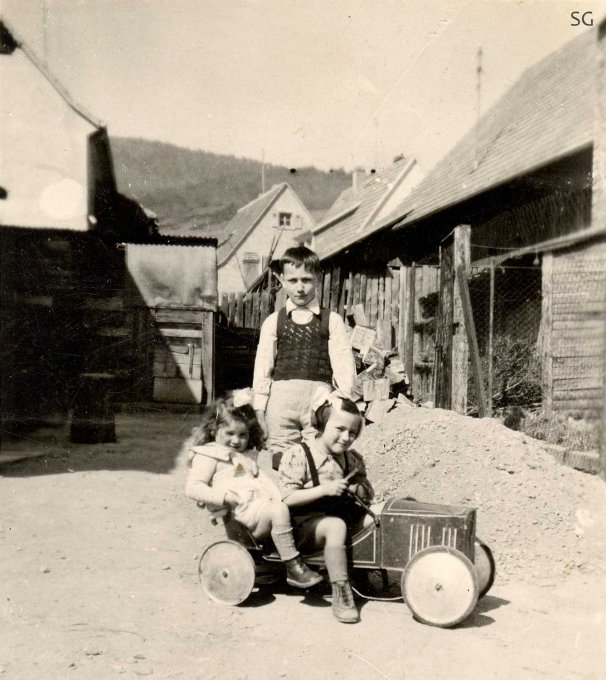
198,192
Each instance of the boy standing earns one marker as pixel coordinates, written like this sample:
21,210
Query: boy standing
301,348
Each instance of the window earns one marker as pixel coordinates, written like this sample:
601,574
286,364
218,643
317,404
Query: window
284,220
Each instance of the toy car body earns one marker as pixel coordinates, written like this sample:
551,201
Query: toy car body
444,568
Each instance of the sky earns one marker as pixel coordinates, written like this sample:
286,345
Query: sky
330,83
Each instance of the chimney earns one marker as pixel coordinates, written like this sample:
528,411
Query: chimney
357,177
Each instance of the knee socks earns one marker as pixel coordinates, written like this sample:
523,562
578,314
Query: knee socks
282,537
336,562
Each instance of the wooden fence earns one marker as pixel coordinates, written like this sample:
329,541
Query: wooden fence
247,310
398,302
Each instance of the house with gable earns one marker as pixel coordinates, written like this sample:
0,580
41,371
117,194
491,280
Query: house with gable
521,184
353,222
57,171
260,230
69,303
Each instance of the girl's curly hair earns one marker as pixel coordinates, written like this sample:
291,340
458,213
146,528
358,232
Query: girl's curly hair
220,413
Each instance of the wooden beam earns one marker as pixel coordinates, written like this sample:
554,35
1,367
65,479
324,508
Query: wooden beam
326,290
208,356
409,332
490,340
401,329
240,309
443,341
597,232
387,312
363,285
546,332
373,297
460,347
472,340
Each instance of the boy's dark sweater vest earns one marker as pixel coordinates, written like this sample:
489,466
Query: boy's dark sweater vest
302,349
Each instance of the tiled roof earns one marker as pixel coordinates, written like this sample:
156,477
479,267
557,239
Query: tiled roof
245,220
547,114
350,218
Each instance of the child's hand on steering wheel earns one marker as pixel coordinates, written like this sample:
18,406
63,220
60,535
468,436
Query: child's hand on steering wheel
336,487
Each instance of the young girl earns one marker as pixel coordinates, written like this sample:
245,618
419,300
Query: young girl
224,474
314,478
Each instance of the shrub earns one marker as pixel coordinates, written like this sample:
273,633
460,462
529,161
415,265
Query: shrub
559,428
516,372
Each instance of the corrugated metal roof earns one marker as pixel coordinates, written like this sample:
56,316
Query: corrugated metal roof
547,114
246,219
350,218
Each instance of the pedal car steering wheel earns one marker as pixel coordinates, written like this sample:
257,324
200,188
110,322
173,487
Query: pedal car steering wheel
354,496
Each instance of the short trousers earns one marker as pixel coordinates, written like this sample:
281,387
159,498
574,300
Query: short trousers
304,522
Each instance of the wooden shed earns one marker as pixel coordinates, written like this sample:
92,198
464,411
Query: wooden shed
520,187
171,298
61,219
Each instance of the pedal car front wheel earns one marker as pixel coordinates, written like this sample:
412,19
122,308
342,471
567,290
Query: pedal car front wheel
227,572
440,586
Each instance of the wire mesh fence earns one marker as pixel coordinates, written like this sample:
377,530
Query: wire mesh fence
506,303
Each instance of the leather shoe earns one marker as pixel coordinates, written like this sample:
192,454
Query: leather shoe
299,575
343,605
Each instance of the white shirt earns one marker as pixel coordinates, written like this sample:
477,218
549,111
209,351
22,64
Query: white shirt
339,351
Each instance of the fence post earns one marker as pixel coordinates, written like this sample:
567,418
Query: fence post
490,338
355,300
232,309
345,286
363,286
546,330
372,293
326,293
334,294
460,347
225,306
443,344
256,323
472,341
387,312
280,298
401,329
264,309
409,323
240,309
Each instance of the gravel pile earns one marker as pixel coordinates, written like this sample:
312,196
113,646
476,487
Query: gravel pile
541,519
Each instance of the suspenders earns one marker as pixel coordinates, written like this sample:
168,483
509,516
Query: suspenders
337,506
313,470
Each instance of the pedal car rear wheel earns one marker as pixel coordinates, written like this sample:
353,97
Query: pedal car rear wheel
227,572
485,566
440,586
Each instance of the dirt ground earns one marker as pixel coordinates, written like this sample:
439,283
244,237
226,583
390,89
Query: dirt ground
99,577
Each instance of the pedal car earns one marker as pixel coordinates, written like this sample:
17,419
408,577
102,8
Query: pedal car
444,568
